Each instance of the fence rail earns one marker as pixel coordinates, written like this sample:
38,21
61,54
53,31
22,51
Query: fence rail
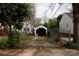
62,33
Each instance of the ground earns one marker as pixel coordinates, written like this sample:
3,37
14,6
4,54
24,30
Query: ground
38,48
39,52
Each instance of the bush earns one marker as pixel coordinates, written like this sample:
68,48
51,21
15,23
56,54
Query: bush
3,42
30,34
14,40
74,46
26,37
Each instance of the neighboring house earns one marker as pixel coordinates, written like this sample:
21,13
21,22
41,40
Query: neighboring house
27,27
3,32
66,23
24,29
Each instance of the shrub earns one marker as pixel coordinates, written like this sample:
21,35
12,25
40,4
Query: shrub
26,37
14,40
3,42
74,46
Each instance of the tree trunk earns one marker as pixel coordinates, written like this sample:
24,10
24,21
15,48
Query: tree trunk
10,37
75,38
9,28
76,22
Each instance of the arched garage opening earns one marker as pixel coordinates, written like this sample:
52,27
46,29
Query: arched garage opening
41,31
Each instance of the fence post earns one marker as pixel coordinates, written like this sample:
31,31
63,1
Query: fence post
69,37
58,36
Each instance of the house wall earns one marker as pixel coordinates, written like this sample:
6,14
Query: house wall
66,24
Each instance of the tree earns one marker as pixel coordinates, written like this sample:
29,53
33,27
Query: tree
58,20
76,22
13,15
52,24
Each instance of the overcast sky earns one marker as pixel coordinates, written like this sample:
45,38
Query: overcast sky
41,7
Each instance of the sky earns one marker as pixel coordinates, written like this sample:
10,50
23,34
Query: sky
42,7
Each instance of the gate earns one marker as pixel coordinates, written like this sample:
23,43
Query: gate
66,36
53,33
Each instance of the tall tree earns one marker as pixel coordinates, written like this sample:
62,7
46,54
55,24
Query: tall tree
13,15
76,22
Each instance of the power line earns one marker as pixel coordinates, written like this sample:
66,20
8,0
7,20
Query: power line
50,7
53,7
57,9
47,11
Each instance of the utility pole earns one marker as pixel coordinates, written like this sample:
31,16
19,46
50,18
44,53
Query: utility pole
45,15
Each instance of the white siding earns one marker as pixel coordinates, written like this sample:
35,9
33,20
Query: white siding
66,24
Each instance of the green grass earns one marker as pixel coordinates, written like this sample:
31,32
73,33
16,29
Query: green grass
3,41
25,37
74,46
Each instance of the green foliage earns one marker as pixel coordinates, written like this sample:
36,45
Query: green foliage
26,37
46,24
13,40
58,20
51,24
74,46
3,42
14,14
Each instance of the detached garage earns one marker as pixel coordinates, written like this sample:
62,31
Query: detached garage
41,31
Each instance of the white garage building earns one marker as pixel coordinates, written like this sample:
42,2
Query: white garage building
40,31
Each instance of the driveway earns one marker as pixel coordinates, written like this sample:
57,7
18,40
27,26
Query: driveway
36,48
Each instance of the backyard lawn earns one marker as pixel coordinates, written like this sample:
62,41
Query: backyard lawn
23,38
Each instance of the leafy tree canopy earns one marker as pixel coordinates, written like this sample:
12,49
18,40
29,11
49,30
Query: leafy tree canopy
14,14
53,23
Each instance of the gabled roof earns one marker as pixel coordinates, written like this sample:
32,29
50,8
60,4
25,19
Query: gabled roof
40,27
69,15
